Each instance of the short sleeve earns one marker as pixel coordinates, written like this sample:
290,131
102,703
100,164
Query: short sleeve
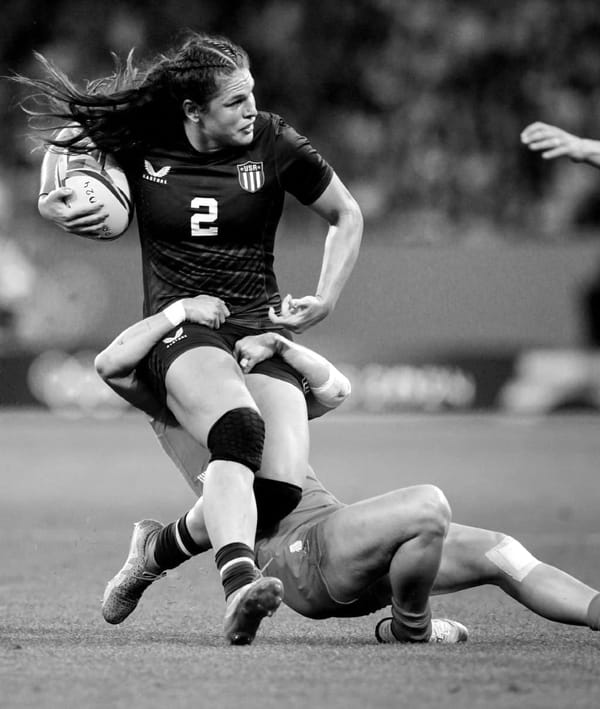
301,169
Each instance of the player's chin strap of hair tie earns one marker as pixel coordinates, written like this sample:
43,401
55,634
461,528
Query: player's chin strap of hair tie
175,313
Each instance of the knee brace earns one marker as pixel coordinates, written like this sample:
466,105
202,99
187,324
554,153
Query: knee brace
238,436
274,500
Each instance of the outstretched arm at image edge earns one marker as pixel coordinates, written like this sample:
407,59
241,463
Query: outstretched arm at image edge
554,142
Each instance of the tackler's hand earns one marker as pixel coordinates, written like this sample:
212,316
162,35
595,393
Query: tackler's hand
298,314
251,350
206,310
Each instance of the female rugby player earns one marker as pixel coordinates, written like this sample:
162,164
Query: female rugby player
208,174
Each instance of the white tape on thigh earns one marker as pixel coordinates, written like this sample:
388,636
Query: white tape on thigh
511,557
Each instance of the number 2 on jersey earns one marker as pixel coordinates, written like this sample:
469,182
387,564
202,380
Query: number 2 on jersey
208,215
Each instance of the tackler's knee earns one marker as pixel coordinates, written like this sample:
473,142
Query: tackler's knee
274,500
238,436
434,511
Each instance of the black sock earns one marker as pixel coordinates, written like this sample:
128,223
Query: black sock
236,565
174,545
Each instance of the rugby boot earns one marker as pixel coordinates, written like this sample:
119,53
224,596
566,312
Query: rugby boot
123,591
443,630
248,606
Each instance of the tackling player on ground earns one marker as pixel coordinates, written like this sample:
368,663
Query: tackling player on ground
344,560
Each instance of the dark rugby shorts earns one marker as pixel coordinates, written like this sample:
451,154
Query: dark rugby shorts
189,336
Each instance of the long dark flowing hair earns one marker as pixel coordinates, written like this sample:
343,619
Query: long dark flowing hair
132,108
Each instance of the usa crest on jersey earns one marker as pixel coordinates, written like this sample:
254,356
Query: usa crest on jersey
251,176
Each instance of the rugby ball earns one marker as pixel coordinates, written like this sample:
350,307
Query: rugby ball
96,178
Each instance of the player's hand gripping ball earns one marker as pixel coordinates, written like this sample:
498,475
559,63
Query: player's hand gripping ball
95,178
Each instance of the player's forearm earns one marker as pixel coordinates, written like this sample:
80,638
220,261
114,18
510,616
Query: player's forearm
116,363
341,251
126,351
48,172
327,383
51,156
590,151
312,366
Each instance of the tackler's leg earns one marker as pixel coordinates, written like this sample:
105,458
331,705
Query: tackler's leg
474,556
400,535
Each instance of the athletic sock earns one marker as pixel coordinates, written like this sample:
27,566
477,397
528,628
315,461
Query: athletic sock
410,627
593,613
236,565
174,545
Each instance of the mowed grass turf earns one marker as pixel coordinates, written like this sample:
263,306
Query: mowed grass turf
70,490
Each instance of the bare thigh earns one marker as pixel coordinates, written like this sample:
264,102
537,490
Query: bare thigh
283,408
203,384
361,539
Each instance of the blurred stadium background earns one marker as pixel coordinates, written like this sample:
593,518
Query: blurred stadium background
480,260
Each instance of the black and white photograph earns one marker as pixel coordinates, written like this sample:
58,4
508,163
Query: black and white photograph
300,354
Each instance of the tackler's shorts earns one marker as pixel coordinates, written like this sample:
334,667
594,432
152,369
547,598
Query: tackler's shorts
295,558
188,336
189,456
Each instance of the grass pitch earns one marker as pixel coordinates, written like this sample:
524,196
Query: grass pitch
70,490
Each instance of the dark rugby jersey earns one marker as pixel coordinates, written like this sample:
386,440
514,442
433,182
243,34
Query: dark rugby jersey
207,221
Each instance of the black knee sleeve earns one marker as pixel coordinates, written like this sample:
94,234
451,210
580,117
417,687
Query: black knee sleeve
274,500
238,436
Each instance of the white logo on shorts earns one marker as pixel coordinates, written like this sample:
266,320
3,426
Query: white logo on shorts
296,546
179,335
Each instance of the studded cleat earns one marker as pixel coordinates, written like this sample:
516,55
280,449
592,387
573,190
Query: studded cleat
123,591
443,630
248,606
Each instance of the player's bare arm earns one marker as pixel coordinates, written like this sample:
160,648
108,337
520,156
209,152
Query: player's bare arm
116,363
341,211
54,203
554,142
328,386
